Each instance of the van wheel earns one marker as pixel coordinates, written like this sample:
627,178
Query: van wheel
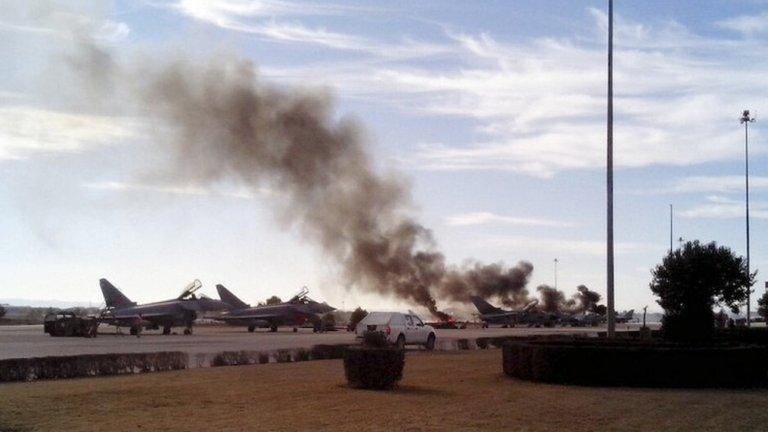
430,342
400,344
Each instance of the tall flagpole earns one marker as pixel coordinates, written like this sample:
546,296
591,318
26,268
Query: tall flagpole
609,246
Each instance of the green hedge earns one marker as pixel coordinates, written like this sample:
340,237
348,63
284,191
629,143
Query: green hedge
58,367
373,368
636,363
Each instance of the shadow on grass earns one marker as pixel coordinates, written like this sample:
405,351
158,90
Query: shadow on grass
637,389
402,390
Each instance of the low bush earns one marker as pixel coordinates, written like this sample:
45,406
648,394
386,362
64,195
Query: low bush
328,352
373,368
301,354
30,369
375,339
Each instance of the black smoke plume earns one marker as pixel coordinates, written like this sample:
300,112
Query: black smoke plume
586,300
553,300
220,121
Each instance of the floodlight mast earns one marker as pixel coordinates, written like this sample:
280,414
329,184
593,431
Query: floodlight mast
746,119
671,227
609,182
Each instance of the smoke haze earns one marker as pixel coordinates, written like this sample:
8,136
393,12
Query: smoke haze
219,121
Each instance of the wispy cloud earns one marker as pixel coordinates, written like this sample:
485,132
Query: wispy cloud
27,130
486,218
718,184
748,25
176,189
268,19
62,23
539,104
565,246
257,17
718,207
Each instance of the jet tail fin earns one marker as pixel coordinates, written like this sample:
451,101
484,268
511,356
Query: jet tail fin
227,297
483,306
112,296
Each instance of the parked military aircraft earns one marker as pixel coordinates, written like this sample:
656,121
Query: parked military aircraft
588,319
295,312
528,315
622,318
181,311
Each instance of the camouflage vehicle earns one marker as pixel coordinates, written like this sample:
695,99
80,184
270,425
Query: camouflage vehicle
66,323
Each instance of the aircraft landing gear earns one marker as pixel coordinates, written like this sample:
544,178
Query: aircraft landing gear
251,328
188,330
166,330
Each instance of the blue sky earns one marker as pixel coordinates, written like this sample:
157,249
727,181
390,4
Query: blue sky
493,111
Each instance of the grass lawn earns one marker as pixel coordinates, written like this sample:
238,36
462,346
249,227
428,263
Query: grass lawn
439,391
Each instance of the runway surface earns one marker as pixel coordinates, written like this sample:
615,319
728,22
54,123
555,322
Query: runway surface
30,341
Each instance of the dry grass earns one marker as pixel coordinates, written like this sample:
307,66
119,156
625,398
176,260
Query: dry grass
440,391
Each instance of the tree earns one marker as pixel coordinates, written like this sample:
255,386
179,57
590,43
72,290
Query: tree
329,321
762,306
274,300
357,316
691,281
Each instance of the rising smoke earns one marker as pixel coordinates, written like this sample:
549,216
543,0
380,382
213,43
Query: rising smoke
222,122
554,300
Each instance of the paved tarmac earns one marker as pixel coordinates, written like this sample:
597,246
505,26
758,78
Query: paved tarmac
30,341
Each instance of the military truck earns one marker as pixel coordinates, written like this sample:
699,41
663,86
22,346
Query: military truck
66,323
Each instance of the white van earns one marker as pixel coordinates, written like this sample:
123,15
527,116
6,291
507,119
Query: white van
401,328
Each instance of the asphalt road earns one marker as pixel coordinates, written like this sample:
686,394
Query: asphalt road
30,341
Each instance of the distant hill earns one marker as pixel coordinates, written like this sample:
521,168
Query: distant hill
46,303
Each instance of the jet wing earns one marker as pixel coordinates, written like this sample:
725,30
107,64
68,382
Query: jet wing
251,317
130,319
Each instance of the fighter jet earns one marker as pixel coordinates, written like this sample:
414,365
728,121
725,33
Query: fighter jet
528,315
181,311
623,318
295,312
587,319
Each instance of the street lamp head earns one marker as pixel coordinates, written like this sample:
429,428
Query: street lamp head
745,118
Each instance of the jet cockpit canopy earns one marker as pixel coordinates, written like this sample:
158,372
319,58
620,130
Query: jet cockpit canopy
189,291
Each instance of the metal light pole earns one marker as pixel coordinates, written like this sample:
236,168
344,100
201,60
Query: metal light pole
555,273
670,228
746,120
609,245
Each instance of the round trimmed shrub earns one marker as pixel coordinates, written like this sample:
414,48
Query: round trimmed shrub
375,339
373,368
637,363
